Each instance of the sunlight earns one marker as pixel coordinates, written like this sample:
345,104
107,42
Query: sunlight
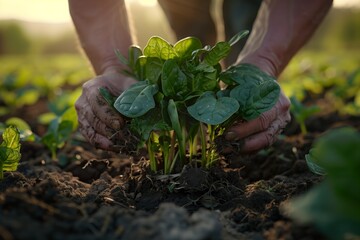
56,11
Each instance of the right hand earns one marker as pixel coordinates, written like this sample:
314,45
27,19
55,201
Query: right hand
97,120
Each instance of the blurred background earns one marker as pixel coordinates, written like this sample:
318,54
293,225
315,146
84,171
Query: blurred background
40,61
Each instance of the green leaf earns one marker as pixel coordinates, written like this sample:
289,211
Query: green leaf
244,73
205,81
25,130
136,100
186,46
154,68
173,80
151,121
218,52
10,150
238,37
210,110
311,160
255,99
159,48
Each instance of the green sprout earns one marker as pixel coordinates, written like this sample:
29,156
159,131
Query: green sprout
178,105
302,113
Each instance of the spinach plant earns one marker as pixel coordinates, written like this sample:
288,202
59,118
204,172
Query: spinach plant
9,150
178,103
333,205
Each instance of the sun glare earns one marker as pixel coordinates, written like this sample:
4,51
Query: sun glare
148,3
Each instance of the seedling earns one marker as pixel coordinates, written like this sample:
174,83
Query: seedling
59,131
302,113
178,100
9,150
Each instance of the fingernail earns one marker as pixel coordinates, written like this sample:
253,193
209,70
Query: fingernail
230,136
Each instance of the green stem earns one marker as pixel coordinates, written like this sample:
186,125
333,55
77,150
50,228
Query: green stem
203,146
153,165
303,128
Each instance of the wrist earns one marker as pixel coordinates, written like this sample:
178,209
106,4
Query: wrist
268,63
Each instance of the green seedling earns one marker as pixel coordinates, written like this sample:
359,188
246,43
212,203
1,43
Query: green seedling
302,113
178,104
334,205
59,131
9,150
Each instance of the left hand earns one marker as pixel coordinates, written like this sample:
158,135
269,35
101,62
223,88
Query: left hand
261,132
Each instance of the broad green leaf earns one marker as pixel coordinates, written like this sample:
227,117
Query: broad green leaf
151,121
255,99
244,73
25,130
10,150
159,48
136,100
173,80
210,110
218,52
186,46
154,68
321,208
205,81
238,37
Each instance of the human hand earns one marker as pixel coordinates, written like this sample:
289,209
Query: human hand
262,131
98,121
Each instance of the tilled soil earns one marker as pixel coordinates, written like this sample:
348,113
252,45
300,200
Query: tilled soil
103,195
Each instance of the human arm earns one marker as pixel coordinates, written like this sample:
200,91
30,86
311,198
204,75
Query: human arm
102,27
281,28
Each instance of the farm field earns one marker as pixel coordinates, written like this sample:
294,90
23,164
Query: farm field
64,188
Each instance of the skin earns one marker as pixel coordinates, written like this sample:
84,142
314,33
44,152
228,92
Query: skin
281,28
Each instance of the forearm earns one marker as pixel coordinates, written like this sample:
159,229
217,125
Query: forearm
281,28
102,27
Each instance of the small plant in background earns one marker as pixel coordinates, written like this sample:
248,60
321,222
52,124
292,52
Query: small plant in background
178,100
302,113
59,131
9,150
334,205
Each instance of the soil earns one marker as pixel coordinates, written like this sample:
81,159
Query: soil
94,194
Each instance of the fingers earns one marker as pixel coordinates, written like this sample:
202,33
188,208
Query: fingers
100,108
263,131
244,129
98,122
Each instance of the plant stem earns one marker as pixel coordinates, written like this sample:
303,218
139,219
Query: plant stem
153,165
203,146
303,128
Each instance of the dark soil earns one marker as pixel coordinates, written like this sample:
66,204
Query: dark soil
93,194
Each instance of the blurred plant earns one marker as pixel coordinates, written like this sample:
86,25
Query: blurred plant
60,130
302,112
334,205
